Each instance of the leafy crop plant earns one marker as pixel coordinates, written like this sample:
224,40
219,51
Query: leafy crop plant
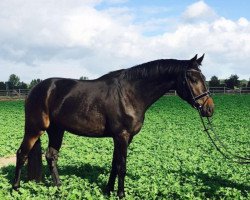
171,158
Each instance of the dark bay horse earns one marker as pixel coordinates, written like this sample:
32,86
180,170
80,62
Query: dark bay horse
113,105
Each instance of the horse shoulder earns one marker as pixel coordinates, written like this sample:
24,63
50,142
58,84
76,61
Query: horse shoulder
132,109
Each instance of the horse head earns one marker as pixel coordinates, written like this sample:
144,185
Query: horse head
192,88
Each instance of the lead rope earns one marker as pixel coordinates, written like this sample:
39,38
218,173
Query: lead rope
225,153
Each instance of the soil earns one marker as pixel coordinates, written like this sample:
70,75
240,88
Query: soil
4,161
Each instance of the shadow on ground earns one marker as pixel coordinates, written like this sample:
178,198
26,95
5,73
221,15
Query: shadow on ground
212,183
86,171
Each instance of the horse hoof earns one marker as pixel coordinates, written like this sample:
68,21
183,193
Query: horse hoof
16,187
58,184
108,190
121,195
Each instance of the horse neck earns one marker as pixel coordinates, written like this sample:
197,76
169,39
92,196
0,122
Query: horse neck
151,90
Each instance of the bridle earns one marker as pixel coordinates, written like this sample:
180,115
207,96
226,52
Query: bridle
194,100
208,126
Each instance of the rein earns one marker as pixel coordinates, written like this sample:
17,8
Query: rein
219,145
209,129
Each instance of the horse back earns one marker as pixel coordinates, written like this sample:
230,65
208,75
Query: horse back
76,106
95,108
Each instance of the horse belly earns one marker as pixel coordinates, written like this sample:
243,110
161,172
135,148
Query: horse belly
91,125
81,114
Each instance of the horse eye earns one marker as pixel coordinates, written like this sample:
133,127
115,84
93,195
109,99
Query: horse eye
194,80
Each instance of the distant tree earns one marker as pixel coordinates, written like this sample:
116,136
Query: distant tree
232,82
214,82
22,85
248,84
243,83
83,78
34,82
14,81
2,86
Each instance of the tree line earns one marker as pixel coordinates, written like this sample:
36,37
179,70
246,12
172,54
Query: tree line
14,83
232,82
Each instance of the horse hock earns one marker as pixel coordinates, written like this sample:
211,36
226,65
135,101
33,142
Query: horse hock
52,157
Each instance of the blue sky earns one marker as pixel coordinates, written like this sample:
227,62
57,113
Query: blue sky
44,38
232,9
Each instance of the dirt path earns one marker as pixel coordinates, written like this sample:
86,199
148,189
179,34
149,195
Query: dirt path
4,161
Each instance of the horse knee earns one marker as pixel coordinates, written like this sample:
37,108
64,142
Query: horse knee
121,170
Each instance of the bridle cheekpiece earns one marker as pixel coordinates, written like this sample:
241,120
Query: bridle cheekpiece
195,99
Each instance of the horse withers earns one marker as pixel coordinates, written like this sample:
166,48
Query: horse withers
113,105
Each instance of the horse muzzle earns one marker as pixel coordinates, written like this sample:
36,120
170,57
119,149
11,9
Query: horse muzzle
207,109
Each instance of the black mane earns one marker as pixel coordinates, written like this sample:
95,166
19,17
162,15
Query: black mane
150,69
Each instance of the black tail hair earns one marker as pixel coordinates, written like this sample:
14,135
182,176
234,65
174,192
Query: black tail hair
34,166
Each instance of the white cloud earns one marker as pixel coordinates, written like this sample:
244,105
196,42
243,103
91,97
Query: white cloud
42,38
199,11
243,22
115,1
225,42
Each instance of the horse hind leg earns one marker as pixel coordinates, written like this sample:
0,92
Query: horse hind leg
22,154
55,141
33,130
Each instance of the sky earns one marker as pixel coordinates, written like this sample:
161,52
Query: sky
52,38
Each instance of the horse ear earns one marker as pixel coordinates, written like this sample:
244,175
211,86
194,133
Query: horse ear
194,58
199,60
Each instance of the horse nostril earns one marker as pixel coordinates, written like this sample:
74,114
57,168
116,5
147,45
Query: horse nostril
210,109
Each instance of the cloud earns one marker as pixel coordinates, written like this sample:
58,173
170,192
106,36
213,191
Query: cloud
41,39
115,1
199,11
225,42
70,35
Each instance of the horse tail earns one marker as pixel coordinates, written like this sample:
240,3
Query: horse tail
35,162
36,122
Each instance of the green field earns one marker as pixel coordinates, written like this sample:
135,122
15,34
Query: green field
171,158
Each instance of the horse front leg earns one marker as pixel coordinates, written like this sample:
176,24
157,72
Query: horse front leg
113,174
121,145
